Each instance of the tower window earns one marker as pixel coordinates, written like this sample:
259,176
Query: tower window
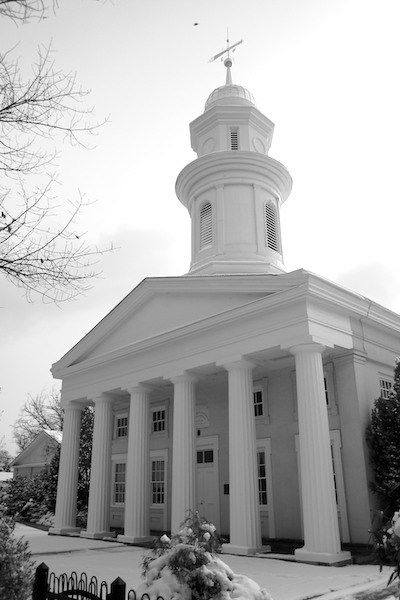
270,228
234,133
206,225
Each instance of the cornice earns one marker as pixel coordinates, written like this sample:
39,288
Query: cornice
227,113
232,167
335,295
299,287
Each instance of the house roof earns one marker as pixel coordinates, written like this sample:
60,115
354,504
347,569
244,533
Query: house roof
49,435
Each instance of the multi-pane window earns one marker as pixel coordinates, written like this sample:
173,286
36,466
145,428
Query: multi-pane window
206,233
258,403
158,481
262,477
234,138
205,456
121,428
158,420
385,386
119,483
271,233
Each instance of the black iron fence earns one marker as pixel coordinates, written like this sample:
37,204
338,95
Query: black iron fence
48,586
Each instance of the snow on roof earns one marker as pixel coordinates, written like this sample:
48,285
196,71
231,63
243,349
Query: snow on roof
56,435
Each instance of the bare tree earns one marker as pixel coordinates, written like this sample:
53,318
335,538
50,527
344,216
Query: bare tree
37,252
39,412
22,10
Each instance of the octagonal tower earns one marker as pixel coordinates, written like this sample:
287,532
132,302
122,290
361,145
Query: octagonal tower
233,190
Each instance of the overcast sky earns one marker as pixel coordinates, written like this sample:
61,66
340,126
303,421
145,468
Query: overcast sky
326,72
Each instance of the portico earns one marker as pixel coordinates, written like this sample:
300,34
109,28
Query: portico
185,354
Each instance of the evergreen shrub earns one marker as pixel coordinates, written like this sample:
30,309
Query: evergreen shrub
383,439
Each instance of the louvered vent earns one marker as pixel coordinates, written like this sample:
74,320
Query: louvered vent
206,225
234,139
270,228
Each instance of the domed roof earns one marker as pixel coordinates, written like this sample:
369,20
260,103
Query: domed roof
230,95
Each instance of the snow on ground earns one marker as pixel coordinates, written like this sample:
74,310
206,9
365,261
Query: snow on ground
284,580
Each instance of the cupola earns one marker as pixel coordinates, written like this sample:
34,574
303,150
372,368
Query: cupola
233,190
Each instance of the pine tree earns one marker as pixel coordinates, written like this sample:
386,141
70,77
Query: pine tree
383,439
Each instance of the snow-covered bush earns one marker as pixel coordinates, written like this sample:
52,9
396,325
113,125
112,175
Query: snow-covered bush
186,567
386,538
16,567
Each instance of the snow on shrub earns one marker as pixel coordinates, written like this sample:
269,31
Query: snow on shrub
186,567
16,567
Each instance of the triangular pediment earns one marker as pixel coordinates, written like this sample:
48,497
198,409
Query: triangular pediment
161,305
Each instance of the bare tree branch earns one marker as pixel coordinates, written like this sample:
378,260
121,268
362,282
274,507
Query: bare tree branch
22,10
37,253
38,413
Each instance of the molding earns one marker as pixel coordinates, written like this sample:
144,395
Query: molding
282,292
235,167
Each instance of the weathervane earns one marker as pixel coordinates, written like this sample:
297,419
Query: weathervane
228,60
228,48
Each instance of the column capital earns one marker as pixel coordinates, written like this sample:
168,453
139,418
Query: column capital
138,387
70,406
242,363
307,347
185,377
99,397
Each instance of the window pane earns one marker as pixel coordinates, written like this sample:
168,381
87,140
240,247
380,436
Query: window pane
158,420
262,477
385,388
119,483
258,404
158,481
122,427
209,456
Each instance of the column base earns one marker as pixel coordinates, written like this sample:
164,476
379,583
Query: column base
64,531
338,559
97,535
240,550
134,540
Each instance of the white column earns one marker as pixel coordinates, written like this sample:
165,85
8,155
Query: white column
183,450
67,487
100,471
245,526
137,487
320,519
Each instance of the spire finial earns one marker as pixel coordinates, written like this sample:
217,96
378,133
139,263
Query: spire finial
227,60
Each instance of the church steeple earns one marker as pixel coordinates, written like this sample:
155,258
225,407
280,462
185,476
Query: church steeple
233,190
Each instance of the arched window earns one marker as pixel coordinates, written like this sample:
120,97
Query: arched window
271,233
206,233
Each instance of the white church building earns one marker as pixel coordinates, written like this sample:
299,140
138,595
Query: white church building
238,390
